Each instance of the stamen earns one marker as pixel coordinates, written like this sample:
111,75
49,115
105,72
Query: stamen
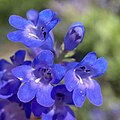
33,35
83,68
81,81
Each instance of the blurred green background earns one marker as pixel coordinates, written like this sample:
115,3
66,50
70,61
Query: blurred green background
102,22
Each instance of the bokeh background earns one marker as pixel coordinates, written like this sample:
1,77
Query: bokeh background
101,19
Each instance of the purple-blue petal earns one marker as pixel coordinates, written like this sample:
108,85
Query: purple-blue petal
47,15
100,66
79,97
71,81
70,114
94,94
62,90
27,62
1,75
45,57
71,65
52,24
23,72
18,22
48,116
18,58
59,72
4,65
27,108
25,38
14,98
37,109
11,87
89,59
43,96
49,43
15,36
26,92
32,15
6,96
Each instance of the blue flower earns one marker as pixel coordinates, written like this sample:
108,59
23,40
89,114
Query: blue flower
38,81
74,36
8,83
80,79
60,110
35,31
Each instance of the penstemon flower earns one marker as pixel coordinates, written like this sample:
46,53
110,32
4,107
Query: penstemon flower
74,36
38,81
9,84
53,81
60,110
34,31
80,79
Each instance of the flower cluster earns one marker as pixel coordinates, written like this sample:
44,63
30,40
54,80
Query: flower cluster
40,85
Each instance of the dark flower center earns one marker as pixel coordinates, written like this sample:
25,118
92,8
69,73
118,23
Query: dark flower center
59,98
82,72
37,32
44,73
43,31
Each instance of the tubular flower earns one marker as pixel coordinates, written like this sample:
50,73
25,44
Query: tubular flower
8,83
60,110
74,36
38,81
80,79
34,31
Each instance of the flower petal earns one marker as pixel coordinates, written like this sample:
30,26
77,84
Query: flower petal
1,75
15,36
94,94
59,72
44,95
47,15
79,96
24,37
71,81
52,24
11,87
32,15
27,62
18,22
27,108
62,89
18,58
37,109
89,59
4,65
70,115
44,58
5,96
71,65
48,116
100,67
26,92
49,43
23,72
